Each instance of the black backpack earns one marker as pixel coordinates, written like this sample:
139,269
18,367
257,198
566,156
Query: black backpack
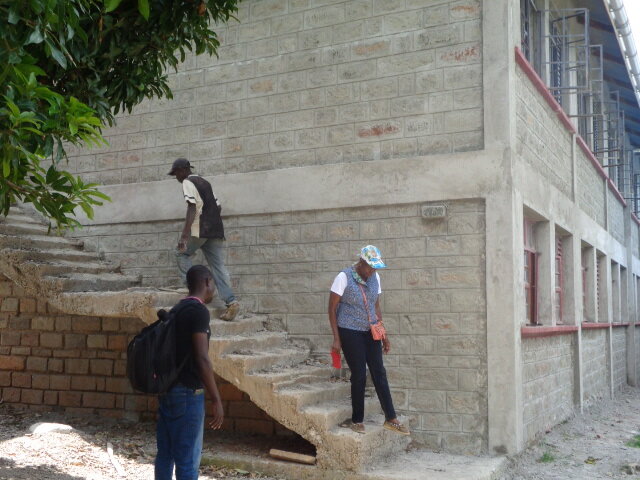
151,354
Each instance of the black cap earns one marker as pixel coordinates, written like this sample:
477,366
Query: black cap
179,163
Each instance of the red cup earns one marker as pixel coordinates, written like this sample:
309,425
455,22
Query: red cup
336,360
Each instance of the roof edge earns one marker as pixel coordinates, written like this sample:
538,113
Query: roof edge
620,21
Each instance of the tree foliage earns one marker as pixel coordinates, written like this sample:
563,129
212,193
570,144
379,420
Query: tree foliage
67,67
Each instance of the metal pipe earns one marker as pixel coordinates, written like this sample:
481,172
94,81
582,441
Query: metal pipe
620,22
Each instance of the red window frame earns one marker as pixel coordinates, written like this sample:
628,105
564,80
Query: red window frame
530,274
598,287
559,279
584,293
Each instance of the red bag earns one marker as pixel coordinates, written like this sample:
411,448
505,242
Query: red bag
378,332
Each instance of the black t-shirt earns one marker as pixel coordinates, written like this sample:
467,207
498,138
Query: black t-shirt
192,318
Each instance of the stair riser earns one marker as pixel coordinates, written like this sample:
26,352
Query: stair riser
251,363
314,397
328,420
70,255
17,218
71,285
10,228
48,269
40,242
223,345
292,380
237,327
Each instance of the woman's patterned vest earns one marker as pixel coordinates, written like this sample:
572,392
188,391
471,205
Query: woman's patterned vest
351,310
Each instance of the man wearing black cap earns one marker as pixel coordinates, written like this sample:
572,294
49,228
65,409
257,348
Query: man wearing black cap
203,230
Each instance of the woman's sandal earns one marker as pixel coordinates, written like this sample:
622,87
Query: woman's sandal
356,427
396,427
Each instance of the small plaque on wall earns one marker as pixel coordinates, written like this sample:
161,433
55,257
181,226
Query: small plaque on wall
434,211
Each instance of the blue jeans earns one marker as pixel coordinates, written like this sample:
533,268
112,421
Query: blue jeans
212,248
179,434
361,350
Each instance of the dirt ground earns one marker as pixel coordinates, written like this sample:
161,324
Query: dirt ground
596,445
82,453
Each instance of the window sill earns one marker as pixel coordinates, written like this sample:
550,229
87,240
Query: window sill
547,331
594,326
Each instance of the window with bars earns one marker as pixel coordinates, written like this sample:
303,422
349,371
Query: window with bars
530,32
530,274
559,282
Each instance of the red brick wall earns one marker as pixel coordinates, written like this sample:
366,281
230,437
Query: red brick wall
77,364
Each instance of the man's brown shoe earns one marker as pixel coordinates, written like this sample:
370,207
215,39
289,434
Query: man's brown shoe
231,312
396,427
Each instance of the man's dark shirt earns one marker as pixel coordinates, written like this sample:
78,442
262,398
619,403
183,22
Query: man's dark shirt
193,318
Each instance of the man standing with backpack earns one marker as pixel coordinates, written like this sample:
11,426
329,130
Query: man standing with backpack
203,230
181,409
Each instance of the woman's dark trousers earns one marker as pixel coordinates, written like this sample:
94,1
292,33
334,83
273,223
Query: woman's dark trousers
361,350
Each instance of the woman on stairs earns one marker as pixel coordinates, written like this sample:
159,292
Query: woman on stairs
355,318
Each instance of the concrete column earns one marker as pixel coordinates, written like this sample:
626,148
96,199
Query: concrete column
630,302
605,305
545,244
505,315
504,218
605,313
572,280
572,307
589,264
615,292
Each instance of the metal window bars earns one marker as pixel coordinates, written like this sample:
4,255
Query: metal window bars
557,43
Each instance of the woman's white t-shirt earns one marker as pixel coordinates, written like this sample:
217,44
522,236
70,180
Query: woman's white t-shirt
340,283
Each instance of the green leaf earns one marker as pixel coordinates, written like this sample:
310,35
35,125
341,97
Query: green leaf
57,55
13,17
143,8
111,5
35,37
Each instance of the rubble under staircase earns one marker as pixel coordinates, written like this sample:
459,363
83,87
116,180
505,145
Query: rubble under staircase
253,352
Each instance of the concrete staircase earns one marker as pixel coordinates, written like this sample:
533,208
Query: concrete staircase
72,280
253,352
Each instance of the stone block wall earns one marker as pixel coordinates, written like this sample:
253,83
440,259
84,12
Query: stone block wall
433,295
542,141
595,354
548,382
615,217
302,82
77,364
619,339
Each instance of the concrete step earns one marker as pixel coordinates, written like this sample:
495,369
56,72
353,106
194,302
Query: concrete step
359,450
263,341
20,219
239,326
38,242
62,267
252,361
18,215
329,415
10,227
296,375
51,255
88,282
316,393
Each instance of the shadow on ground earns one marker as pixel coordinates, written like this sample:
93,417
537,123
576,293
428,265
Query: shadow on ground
8,471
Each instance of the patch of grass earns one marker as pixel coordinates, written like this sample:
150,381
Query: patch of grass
546,458
634,442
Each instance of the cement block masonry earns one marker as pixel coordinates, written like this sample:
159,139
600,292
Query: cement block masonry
433,300
77,364
307,85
